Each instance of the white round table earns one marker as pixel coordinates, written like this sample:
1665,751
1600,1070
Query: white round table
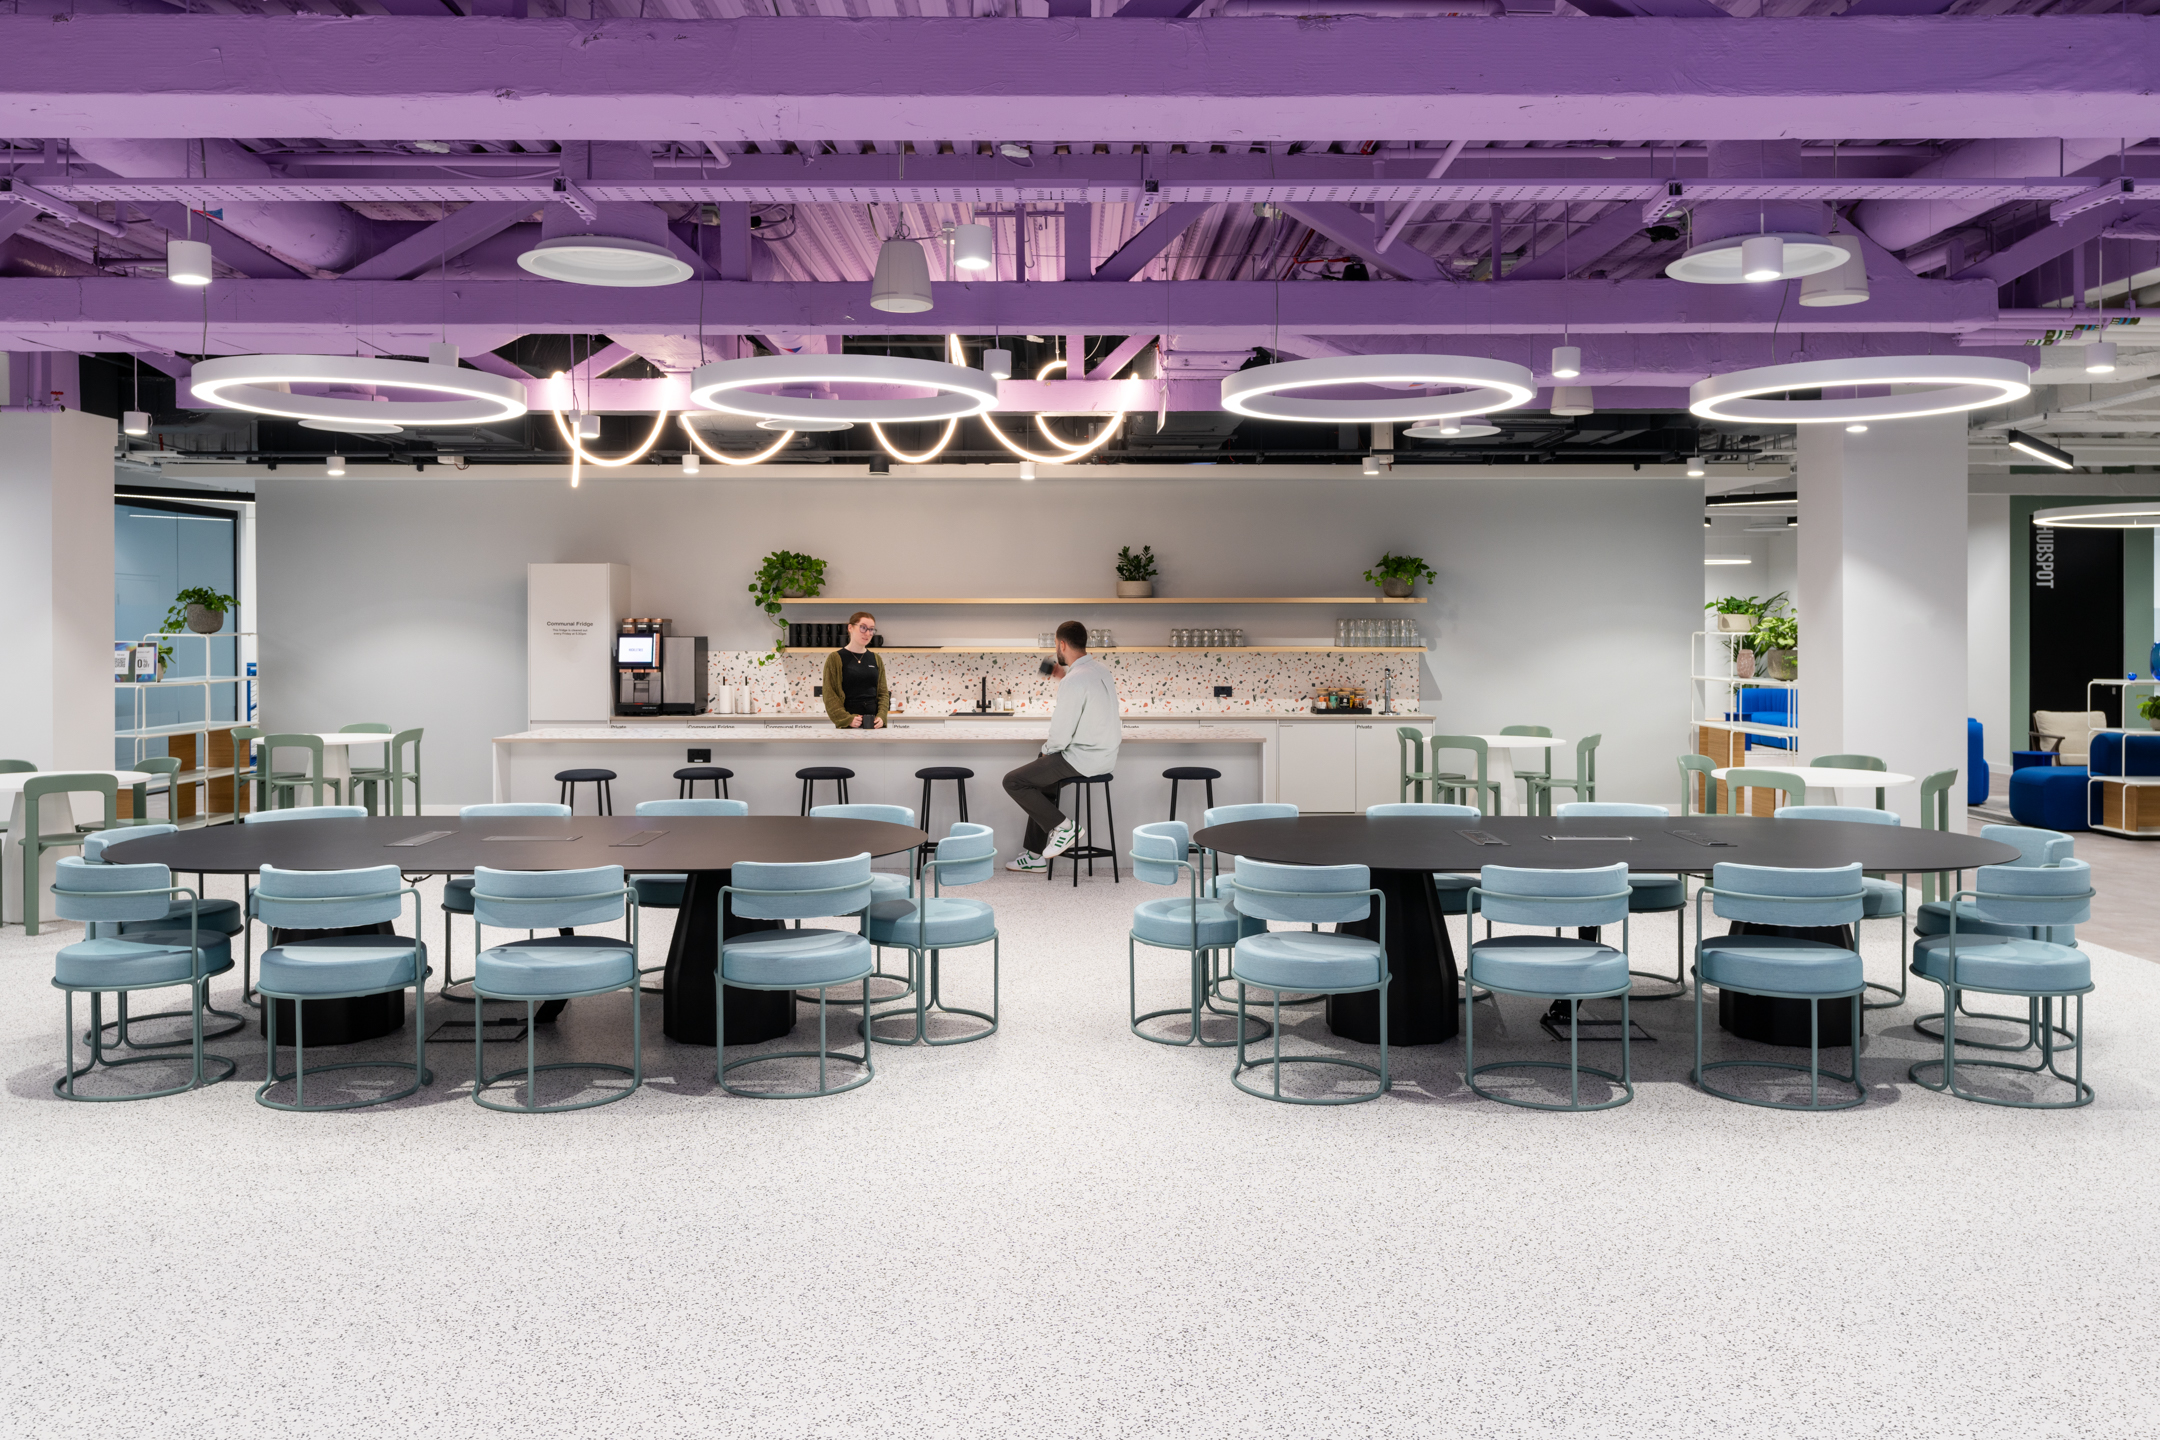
84,809
1500,761
1828,778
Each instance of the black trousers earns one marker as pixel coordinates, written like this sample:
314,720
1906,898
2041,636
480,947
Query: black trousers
1034,788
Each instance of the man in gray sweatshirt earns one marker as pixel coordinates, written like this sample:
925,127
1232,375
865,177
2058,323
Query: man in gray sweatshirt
1084,734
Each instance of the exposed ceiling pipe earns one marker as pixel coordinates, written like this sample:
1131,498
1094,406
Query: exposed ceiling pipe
1901,224
316,235
1402,216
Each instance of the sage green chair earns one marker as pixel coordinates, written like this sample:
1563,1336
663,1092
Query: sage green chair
1410,762
1855,762
166,765
36,839
1528,777
1690,767
1935,815
1537,792
13,767
282,784
399,773
1452,786
246,771
1741,779
371,776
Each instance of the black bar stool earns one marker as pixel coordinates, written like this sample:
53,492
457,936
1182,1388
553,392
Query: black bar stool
1191,772
959,775
603,798
690,775
811,774
1090,852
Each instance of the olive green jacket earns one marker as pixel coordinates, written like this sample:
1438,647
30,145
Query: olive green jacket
836,702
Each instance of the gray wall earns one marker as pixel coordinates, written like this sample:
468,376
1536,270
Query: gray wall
1565,598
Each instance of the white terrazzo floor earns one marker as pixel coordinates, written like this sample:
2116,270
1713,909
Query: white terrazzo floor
1064,1231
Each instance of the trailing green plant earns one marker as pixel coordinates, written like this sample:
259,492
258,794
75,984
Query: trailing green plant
1747,604
779,575
176,617
1401,567
1775,632
1136,567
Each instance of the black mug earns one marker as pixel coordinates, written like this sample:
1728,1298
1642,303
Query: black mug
1047,667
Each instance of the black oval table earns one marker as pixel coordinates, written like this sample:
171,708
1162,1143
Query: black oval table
1403,852
705,847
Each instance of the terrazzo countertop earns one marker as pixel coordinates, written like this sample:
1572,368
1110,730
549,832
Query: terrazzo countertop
1152,720
821,731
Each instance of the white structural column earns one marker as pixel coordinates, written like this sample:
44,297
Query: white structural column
56,588
1882,602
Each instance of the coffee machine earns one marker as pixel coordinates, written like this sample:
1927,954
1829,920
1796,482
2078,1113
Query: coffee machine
657,673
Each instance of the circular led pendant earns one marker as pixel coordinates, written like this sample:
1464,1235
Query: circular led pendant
728,386
1480,386
1946,385
260,383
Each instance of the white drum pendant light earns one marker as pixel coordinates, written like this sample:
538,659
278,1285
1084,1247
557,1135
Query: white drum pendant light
741,387
263,384
997,364
334,466
1931,385
187,262
1573,400
902,283
1468,427
1844,285
974,247
135,422
1752,259
621,246
1566,362
2100,358
1267,392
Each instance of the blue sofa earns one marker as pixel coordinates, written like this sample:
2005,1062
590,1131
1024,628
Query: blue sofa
2049,797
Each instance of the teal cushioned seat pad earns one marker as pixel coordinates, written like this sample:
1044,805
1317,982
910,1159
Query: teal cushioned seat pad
222,916
551,965
1306,960
339,965
2028,967
949,921
1170,922
156,957
1787,963
795,957
1548,965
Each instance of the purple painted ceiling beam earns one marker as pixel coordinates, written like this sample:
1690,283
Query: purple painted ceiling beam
1352,231
452,235
1520,78
1152,239
1585,247
2036,249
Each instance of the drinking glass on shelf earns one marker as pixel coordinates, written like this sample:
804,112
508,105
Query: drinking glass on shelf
1177,639
1237,638
1342,633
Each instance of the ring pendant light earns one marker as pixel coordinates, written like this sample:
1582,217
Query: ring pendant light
2116,515
726,459
1950,385
1485,386
725,385
258,383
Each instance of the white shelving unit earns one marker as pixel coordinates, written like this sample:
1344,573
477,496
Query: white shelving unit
245,695
1715,683
2136,795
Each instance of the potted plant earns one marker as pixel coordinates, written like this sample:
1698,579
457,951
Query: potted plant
1395,574
784,575
201,610
1738,614
1135,573
2149,709
1776,643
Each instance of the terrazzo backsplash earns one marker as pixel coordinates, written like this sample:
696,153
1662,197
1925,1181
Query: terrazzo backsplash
929,682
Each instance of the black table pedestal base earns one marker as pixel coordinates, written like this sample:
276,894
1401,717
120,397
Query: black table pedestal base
1424,1005
344,1021
693,964
1769,1020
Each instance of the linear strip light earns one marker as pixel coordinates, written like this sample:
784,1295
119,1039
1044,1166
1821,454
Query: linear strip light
2040,450
725,459
954,354
580,456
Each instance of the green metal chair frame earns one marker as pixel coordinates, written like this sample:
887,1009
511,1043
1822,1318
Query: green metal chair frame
1206,978
36,840
1856,762
167,765
824,1054
1452,785
247,769
121,1038
1575,1068
925,963
1528,776
1741,779
288,782
371,776
1815,1073
482,1081
1537,792
1690,767
1380,987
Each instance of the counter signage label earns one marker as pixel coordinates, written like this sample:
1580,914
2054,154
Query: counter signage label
569,629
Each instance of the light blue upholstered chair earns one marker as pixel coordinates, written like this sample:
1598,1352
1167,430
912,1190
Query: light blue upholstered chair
103,894
457,889
2036,848
304,812
247,882
554,967
1783,966
884,885
1308,960
1551,967
1214,880
337,967
795,958
665,892
930,924
1648,894
1885,897
2037,897
219,916
1199,926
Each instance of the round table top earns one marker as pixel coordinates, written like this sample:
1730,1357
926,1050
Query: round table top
1411,842
1521,742
15,780
1830,777
680,843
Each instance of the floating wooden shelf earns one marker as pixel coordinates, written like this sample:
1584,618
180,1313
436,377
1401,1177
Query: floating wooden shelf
1106,650
1113,600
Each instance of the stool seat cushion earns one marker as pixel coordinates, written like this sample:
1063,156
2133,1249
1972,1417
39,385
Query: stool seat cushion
1934,919
944,772
457,894
222,916
1882,898
2024,967
1788,964
1547,965
1192,772
948,921
1091,780
2049,797
1306,960
704,772
154,958
585,775
551,965
1653,894
784,959
824,772
1170,922
660,892
339,965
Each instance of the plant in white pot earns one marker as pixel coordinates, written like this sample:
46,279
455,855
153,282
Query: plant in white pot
2149,708
1136,573
201,610
1739,614
1776,643
1396,574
